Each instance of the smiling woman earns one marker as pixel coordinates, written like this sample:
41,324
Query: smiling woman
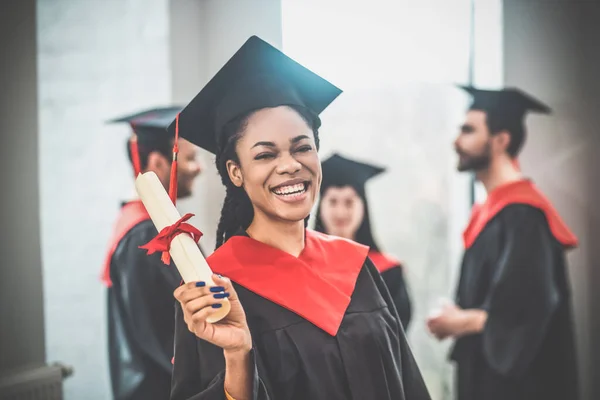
271,171
310,316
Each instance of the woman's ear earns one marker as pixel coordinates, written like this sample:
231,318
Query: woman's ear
235,173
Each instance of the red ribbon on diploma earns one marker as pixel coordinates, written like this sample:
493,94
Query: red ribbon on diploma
162,241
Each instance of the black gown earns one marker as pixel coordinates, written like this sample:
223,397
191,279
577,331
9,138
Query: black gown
396,284
368,358
392,272
515,270
140,314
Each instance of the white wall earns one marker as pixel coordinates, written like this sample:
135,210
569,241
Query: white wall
204,35
97,60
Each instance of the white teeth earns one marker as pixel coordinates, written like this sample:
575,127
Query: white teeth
291,189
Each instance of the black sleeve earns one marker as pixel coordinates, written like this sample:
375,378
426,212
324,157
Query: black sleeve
414,385
199,367
142,279
524,294
396,284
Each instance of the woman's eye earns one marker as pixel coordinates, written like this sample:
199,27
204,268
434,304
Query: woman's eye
264,156
304,149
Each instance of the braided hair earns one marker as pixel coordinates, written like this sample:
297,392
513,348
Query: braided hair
237,212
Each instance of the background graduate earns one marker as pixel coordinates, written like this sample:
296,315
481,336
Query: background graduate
140,288
512,319
343,211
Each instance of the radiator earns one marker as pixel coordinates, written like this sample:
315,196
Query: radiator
42,383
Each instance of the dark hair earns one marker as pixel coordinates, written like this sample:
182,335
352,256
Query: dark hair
497,122
364,235
145,148
237,212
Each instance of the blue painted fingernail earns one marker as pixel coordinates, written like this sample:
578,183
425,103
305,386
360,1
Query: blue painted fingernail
218,305
200,284
220,276
220,295
216,289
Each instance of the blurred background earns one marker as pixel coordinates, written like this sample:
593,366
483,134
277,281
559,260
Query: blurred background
70,65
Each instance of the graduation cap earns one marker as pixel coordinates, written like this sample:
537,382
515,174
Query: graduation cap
507,109
149,130
154,117
341,171
257,76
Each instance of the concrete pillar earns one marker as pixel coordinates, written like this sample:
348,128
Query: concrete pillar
551,50
21,289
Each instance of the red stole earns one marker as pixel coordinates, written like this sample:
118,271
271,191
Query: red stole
131,214
317,285
382,261
519,192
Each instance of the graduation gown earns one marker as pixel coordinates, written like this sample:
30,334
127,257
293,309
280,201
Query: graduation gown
140,310
514,269
323,327
392,272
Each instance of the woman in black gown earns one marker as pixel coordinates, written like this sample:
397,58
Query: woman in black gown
344,211
310,316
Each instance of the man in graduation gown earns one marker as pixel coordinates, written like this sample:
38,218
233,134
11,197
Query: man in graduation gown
141,310
512,320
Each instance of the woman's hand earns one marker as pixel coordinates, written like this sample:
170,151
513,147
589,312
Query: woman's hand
199,301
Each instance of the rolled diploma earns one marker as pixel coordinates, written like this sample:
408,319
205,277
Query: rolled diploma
184,251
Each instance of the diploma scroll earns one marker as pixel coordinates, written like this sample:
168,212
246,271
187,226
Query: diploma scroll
184,251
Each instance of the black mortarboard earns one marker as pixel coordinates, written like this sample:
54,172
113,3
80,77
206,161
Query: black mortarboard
511,102
257,76
150,133
506,110
341,171
151,124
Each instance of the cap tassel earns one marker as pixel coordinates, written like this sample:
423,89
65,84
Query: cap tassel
135,152
173,180
135,155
